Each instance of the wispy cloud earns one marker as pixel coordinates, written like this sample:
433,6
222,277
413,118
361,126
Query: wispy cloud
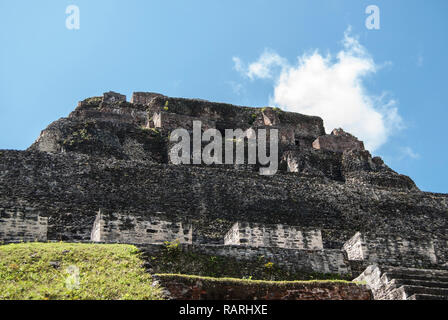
331,87
407,152
264,67
420,60
237,88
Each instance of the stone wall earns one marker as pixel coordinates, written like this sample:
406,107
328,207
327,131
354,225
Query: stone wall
392,250
196,288
138,229
171,121
281,236
108,126
327,261
338,141
23,225
356,248
113,97
313,163
71,187
143,97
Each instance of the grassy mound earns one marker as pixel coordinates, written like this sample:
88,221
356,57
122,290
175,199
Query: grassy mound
73,271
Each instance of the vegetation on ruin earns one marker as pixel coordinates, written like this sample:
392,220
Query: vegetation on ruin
80,135
147,129
49,271
93,100
252,119
249,282
174,260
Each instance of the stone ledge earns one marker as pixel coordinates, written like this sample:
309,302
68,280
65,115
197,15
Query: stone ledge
181,287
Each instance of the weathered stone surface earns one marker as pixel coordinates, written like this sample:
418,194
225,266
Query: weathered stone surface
192,288
72,187
393,250
281,236
338,141
112,97
112,155
399,283
141,131
172,121
327,261
22,225
143,97
101,138
310,162
128,228
358,167
270,117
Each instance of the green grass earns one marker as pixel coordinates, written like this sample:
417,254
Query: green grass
250,282
48,271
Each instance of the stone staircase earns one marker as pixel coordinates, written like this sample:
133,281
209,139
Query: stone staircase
398,283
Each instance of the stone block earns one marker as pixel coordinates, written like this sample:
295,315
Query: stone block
22,225
143,97
281,236
128,228
391,250
113,97
171,121
338,141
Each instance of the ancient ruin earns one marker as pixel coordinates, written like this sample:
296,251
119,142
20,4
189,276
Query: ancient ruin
103,174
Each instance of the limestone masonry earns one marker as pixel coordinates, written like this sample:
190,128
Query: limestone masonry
280,236
103,174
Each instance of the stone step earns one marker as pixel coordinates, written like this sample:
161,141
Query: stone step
406,292
420,296
398,283
415,272
418,282
409,290
423,276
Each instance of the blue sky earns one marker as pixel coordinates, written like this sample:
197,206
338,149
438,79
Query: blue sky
188,49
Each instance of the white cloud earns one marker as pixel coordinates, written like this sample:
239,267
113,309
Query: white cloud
331,87
237,88
408,152
262,68
238,64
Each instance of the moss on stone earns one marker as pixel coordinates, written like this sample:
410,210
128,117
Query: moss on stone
265,283
173,259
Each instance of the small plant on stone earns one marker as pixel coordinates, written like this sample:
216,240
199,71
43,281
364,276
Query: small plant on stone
252,119
172,246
